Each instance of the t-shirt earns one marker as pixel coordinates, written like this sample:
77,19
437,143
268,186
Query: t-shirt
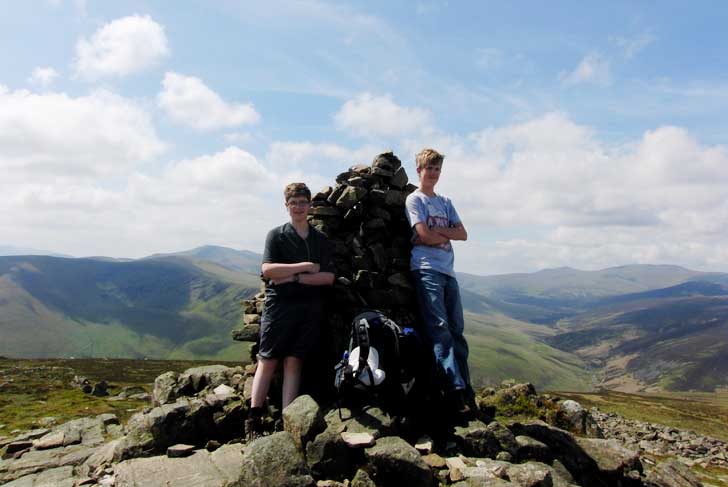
283,245
436,212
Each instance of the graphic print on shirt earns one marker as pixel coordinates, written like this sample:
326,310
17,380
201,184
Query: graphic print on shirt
437,218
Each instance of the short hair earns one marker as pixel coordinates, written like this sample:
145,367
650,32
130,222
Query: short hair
297,189
429,156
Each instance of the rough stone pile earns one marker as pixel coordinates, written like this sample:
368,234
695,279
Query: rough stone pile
193,434
363,215
655,439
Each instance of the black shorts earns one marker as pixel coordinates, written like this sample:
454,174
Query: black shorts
290,328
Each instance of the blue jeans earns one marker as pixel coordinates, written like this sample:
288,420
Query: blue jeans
442,311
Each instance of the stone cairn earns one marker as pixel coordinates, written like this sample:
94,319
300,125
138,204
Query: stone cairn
364,218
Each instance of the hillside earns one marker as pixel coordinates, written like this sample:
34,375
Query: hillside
164,308
551,294
674,338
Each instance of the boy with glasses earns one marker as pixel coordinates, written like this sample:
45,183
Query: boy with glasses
297,261
435,223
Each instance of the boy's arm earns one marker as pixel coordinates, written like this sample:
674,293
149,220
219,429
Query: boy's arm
456,232
278,272
428,236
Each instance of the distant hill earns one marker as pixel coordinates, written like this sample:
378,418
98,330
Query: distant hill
231,259
549,295
673,338
164,308
7,250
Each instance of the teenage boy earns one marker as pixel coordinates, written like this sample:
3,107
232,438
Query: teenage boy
435,223
297,261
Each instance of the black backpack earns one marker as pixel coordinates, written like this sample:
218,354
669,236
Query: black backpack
400,356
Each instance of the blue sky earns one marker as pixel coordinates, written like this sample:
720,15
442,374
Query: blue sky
575,133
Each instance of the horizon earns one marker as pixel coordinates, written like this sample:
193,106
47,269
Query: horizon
6,251
580,135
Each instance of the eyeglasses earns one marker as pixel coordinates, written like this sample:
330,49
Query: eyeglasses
298,203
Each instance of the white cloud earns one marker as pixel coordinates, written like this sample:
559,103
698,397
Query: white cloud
593,68
372,116
43,76
187,100
55,134
633,46
121,47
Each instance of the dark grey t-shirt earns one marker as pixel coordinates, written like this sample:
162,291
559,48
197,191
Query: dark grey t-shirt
283,245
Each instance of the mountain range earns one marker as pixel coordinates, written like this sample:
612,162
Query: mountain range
637,327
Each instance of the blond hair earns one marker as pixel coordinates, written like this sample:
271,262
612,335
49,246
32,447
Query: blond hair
297,189
428,156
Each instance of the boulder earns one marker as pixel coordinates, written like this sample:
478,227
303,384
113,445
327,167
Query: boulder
476,440
362,479
303,420
218,469
571,416
53,477
273,461
165,389
394,462
328,456
248,333
506,439
370,420
613,459
671,473
531,449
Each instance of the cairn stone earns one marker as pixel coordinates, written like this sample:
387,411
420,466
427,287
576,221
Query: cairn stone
395,462
274,461
303,420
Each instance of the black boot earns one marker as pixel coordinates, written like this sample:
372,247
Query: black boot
254,424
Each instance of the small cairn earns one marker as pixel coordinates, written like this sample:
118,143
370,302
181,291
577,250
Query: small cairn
363,216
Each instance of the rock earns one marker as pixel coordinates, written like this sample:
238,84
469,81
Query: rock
54,477
511,394
530,474
531,449
328,456
571,416
17,446
252,319
223,390
350,196
671,473
107,419
218,469
506,439
424,445
371,420
434,460
457,468
303,420
208,375
358,440
362,479
51,440
165,389
248,333
100,389
613,460
395,463
180,450
273,461
477,440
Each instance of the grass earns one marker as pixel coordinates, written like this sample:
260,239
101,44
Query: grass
502,348
704,413
33,389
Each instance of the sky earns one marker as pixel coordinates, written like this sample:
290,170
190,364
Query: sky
581,134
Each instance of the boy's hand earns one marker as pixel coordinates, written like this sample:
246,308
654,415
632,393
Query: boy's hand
283,280
314,268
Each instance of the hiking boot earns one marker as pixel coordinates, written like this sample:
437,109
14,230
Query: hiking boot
254,424
253,428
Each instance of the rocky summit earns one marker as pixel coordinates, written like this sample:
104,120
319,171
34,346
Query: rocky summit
192,434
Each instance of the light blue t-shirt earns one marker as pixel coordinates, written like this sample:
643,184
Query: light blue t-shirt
434,211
